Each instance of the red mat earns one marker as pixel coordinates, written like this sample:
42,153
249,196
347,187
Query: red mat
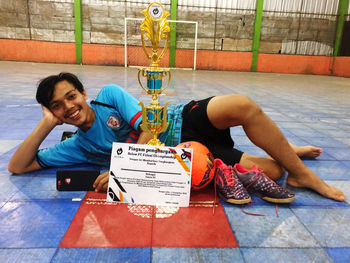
102,224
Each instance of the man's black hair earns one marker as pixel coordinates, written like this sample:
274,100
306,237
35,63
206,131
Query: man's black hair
46,87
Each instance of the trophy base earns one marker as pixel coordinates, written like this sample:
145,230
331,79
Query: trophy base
155,142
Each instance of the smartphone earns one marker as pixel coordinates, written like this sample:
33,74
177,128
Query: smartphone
76,180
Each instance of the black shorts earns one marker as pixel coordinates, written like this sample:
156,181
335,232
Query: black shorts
197,127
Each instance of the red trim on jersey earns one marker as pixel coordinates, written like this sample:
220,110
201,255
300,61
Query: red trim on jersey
134,119
134,134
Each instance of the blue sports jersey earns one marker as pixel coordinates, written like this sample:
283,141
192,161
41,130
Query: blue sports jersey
116,121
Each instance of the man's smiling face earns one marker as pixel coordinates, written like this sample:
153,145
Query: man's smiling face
69,105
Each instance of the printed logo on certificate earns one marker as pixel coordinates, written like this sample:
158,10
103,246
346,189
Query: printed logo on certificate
150,175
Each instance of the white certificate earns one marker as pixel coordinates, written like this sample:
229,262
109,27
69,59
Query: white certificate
151,175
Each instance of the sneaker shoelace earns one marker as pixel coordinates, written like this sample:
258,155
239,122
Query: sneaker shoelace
215,182
256,177
248,213
253,214
230,178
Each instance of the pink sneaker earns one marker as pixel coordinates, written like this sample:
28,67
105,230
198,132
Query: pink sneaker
256,182
230,189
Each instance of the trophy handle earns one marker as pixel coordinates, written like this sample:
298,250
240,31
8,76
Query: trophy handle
144,45
169,75
165,47
143,124
165,121
138,77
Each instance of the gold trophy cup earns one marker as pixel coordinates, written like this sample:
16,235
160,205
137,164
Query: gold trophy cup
155,27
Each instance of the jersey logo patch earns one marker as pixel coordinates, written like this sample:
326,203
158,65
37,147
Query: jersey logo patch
113,122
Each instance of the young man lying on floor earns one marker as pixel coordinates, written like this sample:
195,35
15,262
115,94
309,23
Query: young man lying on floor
115,116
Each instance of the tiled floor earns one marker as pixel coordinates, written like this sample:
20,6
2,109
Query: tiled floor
37,222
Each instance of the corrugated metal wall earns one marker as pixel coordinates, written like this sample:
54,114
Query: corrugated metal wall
326,7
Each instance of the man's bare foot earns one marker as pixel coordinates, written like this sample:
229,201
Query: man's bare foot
307,151
312,181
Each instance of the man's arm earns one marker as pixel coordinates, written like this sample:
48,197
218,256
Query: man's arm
144,138
23,159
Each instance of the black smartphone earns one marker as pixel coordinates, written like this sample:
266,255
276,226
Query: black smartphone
76,180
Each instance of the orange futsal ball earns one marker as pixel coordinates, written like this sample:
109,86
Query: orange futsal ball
202,164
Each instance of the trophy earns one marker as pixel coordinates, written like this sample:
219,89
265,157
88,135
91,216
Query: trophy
155,27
